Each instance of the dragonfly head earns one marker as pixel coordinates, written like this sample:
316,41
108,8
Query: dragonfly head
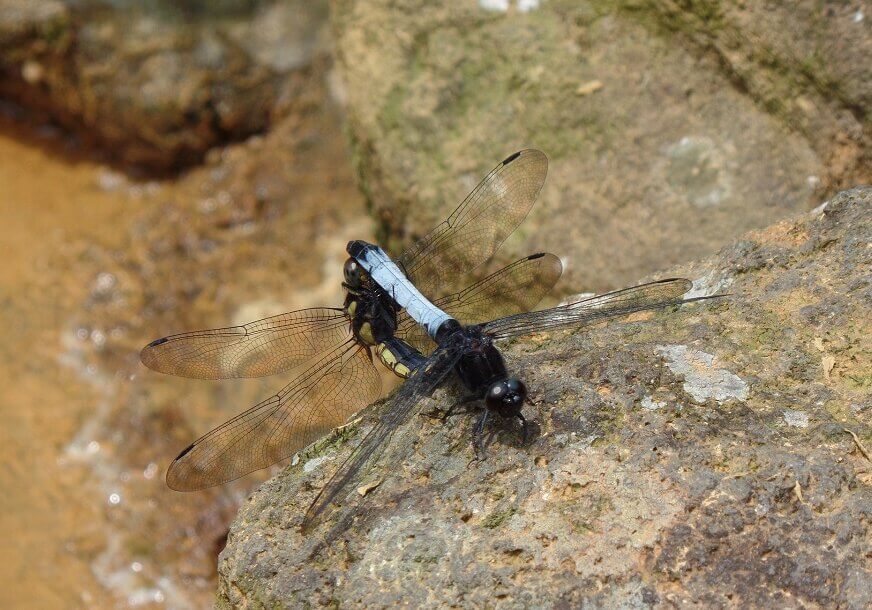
506,397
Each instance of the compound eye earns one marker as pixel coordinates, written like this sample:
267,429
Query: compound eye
517,390
506,397
495,396
351,270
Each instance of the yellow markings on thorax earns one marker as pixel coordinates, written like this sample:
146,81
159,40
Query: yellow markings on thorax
351,309
365,333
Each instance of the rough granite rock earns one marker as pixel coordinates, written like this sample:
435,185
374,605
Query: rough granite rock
668,135
158,82
703,456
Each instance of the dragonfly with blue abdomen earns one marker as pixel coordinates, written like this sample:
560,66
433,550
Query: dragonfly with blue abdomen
330,350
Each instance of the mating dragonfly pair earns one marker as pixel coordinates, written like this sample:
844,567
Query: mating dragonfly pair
407,314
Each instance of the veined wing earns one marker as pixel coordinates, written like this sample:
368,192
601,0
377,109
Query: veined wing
420,384
256,349
513,289
323,396
478,226
654,295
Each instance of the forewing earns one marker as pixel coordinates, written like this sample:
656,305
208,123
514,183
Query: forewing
320,398
475,230
256,349
513,289
654,295
421,384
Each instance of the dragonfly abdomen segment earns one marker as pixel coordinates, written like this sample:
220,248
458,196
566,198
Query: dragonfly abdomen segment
386,274
400,357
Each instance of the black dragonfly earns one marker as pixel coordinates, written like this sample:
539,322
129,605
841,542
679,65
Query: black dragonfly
329,350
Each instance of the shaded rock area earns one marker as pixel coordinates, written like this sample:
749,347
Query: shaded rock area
713,455
158,83
672,127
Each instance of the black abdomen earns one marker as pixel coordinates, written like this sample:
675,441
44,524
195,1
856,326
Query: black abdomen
400,357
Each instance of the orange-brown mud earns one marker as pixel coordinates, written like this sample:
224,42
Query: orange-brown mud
95,266
46,204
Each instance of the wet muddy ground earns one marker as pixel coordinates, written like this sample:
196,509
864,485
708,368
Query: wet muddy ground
98,264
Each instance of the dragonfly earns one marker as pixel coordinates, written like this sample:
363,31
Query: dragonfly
329,351
470,351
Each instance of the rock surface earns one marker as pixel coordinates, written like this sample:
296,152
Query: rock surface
804,61
159,82
668,131
702,456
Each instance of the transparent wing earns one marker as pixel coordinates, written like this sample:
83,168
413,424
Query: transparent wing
323,396
421,384
513,289
654,295
256,349
479,225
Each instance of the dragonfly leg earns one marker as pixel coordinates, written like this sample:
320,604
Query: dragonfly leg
525,429
478,437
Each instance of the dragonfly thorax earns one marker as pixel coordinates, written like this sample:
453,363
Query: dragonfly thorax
481,364
372,313
353,274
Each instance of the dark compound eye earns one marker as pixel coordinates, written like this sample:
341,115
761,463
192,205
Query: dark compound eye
516,392
352,273
506,397
494,397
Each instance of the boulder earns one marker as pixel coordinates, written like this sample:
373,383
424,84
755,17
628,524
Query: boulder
668,132
804,62
715,455
158,83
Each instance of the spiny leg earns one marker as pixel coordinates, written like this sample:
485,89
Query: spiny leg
525,429
478,437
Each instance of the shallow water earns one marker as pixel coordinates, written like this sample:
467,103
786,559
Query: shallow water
96,265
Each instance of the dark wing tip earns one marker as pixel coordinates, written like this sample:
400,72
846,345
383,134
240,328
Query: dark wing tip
526,152
683,281
147,355
184,452
511,157
150,357
175,480
556,263
686,283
